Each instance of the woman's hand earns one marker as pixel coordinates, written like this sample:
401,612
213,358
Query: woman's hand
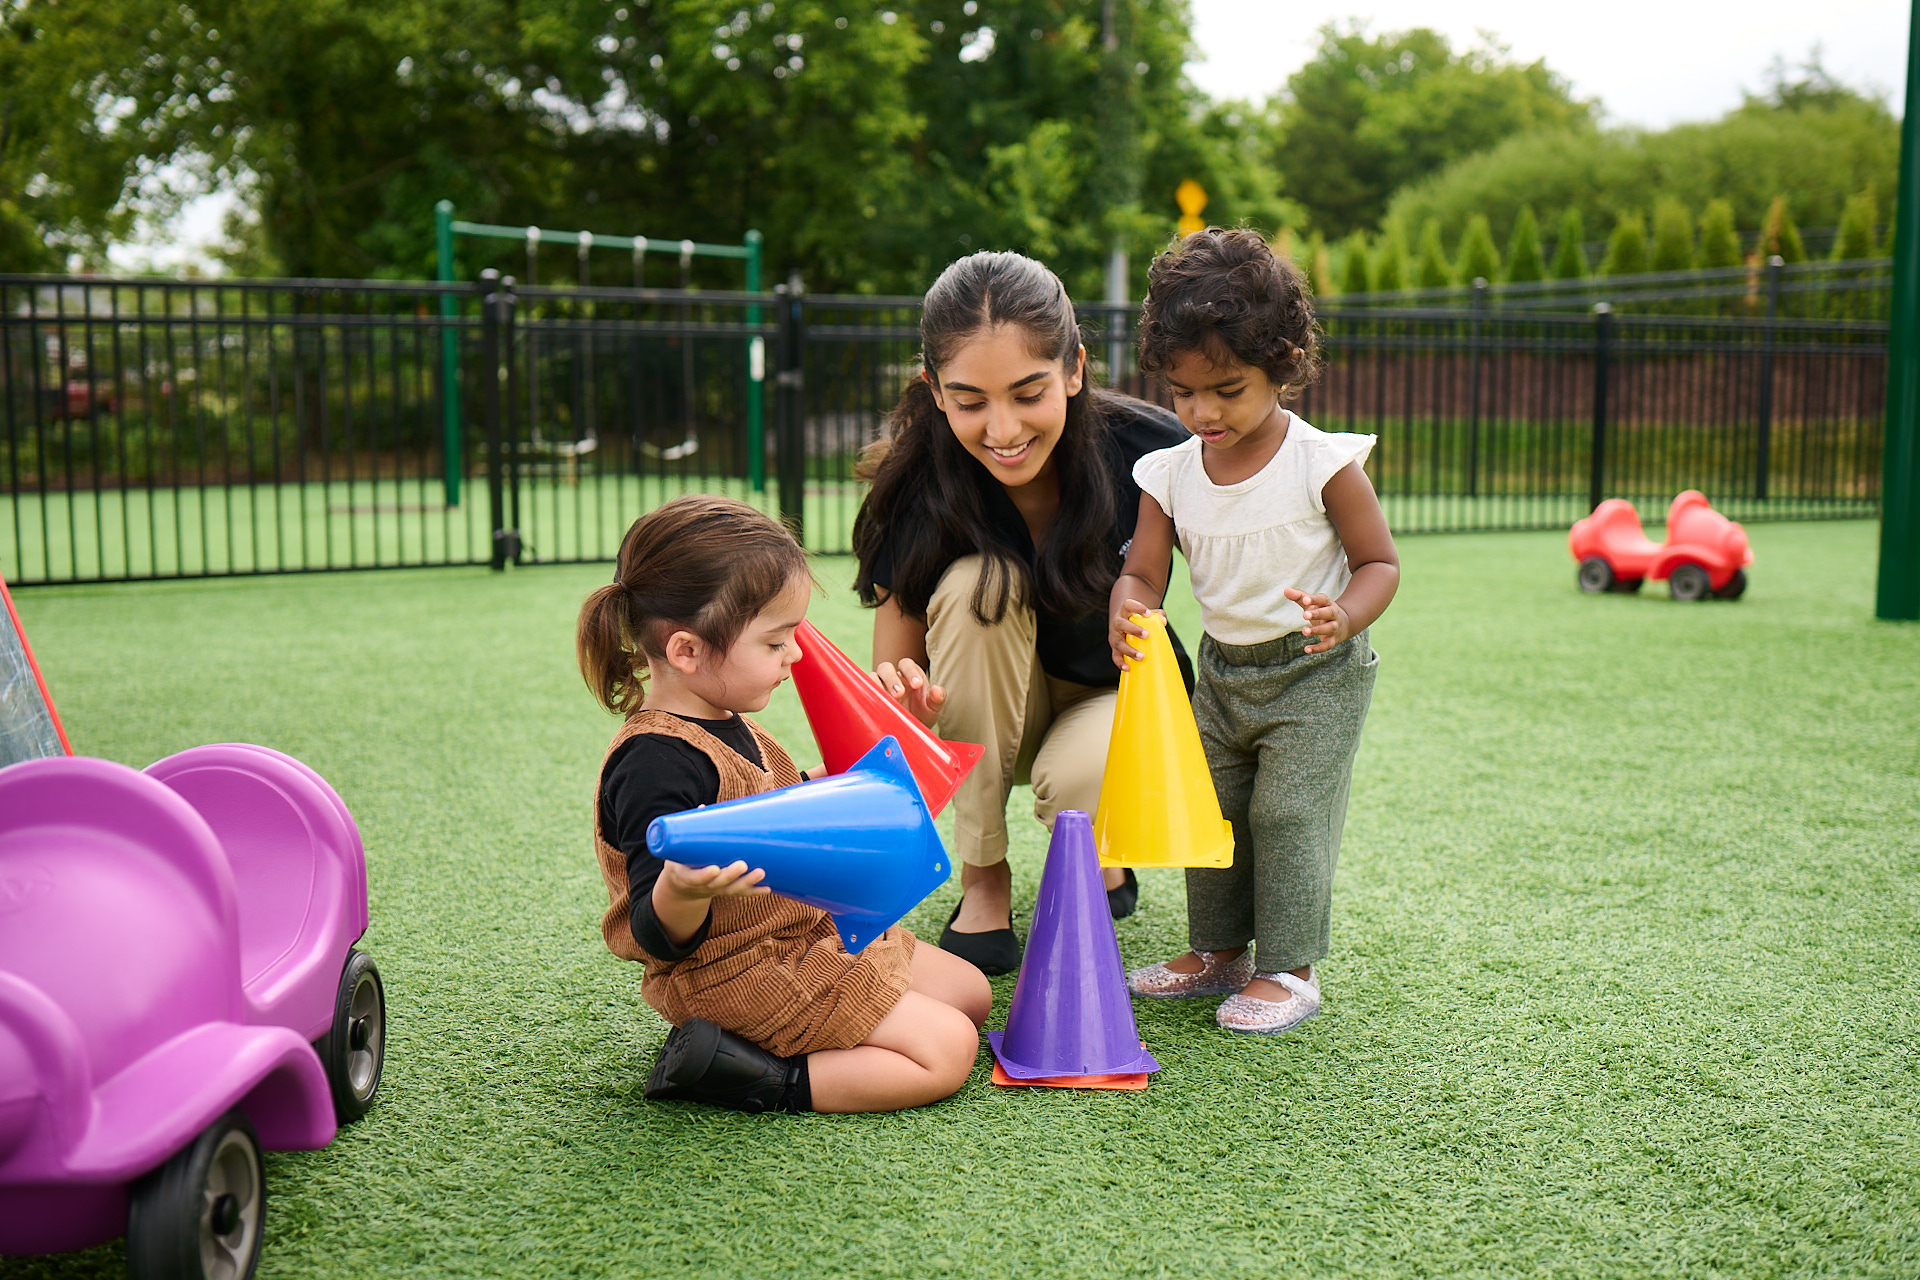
1325,620
697,884
912,688
1121,627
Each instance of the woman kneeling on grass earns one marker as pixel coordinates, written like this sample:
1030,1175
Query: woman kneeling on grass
769,1010
1002,500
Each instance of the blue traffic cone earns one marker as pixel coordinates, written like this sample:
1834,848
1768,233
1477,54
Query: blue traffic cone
859,845
1071,1019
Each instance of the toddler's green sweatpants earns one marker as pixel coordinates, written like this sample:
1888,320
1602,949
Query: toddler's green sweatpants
1280,727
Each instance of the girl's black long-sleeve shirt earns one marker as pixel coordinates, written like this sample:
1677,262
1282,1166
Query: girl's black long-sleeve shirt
646,778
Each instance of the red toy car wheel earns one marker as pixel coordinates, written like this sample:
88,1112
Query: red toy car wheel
1595,574
1690,582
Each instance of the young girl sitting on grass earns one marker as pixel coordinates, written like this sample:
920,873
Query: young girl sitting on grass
769,1011
1291,561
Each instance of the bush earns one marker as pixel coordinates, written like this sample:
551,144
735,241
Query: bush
1479,260
1821,154
1433,271
1355,277
1719,240
1525,262
1626,247
1570,255
1672,236
1856,228
1856,241
1778,235
1390,262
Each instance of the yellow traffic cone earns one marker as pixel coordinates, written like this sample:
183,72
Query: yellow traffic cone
1157,803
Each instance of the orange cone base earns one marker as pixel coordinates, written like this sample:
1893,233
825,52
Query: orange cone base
1131,1080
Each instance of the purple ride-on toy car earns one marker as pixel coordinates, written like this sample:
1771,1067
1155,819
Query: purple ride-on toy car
178,987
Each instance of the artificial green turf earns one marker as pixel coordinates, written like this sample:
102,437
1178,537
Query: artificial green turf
1621,980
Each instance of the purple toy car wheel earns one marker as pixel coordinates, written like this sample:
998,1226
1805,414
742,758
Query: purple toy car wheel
354,1051
200,1215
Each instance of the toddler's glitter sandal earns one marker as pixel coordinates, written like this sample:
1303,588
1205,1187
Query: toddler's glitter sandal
1254,1016
1217,977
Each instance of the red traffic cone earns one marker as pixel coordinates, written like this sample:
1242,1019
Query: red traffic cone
849,714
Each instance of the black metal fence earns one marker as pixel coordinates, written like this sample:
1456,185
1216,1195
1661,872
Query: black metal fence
153,429
1852,289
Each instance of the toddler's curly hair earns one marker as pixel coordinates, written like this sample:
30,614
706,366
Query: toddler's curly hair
1225,293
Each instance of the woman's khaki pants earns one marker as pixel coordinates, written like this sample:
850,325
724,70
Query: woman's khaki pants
1035,728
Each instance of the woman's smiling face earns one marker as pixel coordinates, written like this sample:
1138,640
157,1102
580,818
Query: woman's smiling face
1007,406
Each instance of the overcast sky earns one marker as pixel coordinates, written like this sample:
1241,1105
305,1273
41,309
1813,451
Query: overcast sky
1649,62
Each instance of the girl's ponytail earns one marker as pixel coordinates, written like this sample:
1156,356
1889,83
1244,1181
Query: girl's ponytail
703,563
609,659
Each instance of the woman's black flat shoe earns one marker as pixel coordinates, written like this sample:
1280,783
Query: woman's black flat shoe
994,952
1123,900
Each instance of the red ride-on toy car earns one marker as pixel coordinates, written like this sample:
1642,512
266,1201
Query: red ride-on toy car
1705,553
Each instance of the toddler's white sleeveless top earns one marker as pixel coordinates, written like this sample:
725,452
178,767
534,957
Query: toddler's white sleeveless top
1246,543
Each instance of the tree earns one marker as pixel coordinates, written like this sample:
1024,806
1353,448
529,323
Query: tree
1821,149
1856,228
1367,115
1626,247
1851,300
1778,235
1390,261
1478,258
1355,275
62,151
1432,271
1525,261
870,146
1672,236
1318,265
1719,240
1570,255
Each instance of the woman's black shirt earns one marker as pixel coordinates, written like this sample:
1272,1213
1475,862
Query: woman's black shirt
1075,648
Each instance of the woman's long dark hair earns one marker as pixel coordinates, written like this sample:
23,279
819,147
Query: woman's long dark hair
927,504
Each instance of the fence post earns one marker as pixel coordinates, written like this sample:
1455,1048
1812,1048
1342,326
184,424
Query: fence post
1602,343
450,427
756,374
496,303
790,421
1898,591
1764,439
1473,383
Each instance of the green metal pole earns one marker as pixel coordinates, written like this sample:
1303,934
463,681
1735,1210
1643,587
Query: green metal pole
1899,595
449,350
756,376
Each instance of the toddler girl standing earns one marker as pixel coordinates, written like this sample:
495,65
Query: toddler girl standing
1291,561
769,1010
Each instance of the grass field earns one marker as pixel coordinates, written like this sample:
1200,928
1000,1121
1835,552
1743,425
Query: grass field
1621,981
192,531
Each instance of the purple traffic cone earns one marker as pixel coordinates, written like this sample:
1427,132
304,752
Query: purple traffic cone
1071,1014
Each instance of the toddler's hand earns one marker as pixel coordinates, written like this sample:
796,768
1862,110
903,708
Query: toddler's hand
1325,619
911,687
1121,626
731,881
